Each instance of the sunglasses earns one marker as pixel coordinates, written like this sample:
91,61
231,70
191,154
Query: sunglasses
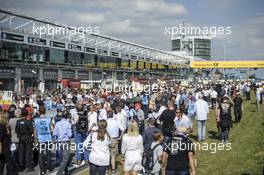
178,112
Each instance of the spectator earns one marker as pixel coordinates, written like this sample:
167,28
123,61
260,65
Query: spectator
132,149
100,155
148,133
24,129
14,138
181,120
157,149
238,107
63,133
202,110
114,128
191,108
167,119
43,137
80,135
178,161
5,158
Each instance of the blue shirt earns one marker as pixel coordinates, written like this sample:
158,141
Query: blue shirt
191,107
62,131
145,100
43,131
48,105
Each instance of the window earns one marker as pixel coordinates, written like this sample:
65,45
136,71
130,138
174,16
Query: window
36,53
16,51
56,56
74,57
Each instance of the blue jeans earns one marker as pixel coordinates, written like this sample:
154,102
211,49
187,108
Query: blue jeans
64,149
186,172
97,170
191,117
225,134
79,138
201,126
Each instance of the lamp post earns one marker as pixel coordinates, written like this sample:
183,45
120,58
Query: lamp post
224,46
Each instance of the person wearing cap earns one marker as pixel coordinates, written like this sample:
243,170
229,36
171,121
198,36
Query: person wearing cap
180,160
202,110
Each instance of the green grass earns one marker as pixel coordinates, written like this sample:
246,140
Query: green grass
247,141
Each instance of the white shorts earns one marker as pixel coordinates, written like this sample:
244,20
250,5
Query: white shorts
132,161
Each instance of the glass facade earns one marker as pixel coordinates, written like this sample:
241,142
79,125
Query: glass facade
74,57
16,51
202,48
36,53
106,62
26,52
56,56
176,45
89,59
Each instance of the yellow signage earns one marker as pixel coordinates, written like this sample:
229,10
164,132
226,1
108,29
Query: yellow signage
147,65
133,65
140,65
227,64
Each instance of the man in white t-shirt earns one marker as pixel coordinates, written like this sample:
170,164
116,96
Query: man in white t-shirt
213,95
202,110
113,129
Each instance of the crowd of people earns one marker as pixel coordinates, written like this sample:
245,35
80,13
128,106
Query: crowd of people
135,129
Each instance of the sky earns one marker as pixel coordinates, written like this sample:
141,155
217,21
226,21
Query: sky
144,21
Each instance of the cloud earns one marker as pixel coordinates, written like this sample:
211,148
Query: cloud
143,21
245,43
124,27
92,18
223,4
158,6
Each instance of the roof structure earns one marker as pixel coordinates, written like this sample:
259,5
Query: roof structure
18,23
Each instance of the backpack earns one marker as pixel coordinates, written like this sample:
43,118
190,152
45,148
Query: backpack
148,161
24,130
82,124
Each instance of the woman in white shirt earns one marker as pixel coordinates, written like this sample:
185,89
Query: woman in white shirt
99,157
132,149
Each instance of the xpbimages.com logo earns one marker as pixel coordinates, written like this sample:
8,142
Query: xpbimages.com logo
182,30
135,88
43,31
175,146
81,147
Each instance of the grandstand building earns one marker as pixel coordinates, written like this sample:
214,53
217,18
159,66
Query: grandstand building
195,47
28,60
